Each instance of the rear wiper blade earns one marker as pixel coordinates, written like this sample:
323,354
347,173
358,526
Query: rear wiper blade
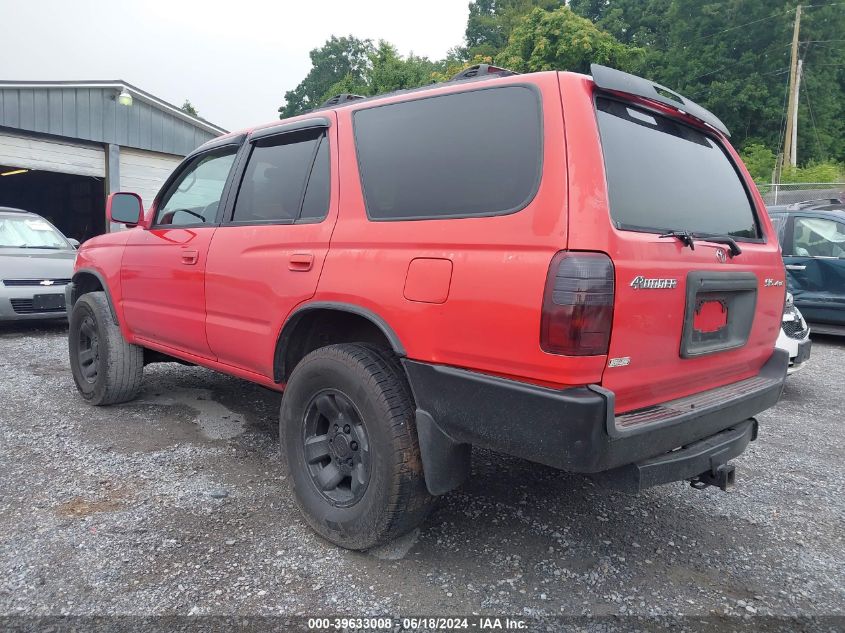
727,240
685,237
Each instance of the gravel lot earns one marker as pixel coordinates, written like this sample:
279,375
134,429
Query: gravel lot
178,504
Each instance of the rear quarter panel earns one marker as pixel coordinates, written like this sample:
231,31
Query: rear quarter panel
490,319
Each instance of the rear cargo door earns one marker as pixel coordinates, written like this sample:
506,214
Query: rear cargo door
688,314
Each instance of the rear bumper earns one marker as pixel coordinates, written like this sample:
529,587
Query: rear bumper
573,429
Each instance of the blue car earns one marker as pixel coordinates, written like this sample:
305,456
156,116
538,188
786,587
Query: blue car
813,244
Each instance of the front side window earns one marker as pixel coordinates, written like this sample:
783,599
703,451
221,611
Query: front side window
465,154
286,178
193,198
817,237
663,176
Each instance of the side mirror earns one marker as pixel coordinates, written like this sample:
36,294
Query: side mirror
125,208
73,242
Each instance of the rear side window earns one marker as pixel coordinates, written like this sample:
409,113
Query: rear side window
460,155
664,176
273,187
316,202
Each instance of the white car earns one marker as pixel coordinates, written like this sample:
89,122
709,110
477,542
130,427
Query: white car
794,336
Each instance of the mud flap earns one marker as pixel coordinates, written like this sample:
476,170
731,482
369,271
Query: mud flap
446,463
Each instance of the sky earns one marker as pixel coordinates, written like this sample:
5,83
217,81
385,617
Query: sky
234,60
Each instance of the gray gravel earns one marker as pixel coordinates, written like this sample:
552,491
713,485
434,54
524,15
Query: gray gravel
178,504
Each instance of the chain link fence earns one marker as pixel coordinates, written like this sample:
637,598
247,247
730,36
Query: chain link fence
783,194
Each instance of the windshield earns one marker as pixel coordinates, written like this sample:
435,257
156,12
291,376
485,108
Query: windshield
29,232
666,176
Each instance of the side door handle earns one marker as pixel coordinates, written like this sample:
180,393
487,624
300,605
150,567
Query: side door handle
795,267
301,262
190,257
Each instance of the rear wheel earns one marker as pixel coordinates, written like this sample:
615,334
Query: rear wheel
347,426
106,369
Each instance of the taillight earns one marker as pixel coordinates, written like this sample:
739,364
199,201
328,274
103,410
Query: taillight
578,304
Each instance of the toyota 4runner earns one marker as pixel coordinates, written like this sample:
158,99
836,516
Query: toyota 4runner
573,270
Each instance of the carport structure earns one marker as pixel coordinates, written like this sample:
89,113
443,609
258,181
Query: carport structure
65,145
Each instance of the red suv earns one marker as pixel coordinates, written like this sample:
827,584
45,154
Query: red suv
574,270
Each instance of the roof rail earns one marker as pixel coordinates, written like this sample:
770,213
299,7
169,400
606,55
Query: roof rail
482,69
343,97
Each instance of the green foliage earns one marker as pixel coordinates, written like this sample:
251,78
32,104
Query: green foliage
561,40
827,171
491,23
759,160
188,108
386,71
339,59
732,57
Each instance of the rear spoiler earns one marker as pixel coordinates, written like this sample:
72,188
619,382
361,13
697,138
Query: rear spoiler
618,81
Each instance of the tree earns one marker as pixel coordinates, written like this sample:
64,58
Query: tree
188,108
390,71
386,70
491,22
562,40
760,161
340,58
732,57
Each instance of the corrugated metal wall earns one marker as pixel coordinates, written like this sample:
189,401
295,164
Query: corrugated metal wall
93,114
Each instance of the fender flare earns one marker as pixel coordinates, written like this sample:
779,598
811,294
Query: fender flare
302,310
71,295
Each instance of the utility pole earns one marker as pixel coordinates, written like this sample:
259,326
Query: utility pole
791,135
793,154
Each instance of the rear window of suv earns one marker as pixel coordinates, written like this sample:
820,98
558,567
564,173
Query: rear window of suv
663,175
465,154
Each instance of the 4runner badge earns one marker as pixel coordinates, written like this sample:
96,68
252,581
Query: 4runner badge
648,283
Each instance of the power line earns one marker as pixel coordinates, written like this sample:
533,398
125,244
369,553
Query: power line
775,15
764,52
739,26
812,116
783,117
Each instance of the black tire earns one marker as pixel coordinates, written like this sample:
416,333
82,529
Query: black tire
106,369
367,386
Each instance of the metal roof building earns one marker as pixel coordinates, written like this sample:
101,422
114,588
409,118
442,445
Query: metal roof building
65,145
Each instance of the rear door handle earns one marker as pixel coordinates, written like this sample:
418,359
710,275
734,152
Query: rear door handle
796,267
301,262
189,258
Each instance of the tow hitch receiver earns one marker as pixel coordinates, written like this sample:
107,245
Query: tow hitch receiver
723,477
703,463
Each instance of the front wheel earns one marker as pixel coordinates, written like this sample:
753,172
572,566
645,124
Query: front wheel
106,369
347,427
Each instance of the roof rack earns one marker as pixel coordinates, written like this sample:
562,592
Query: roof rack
480,70
343,97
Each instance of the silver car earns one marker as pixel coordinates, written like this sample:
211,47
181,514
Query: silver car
36,263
